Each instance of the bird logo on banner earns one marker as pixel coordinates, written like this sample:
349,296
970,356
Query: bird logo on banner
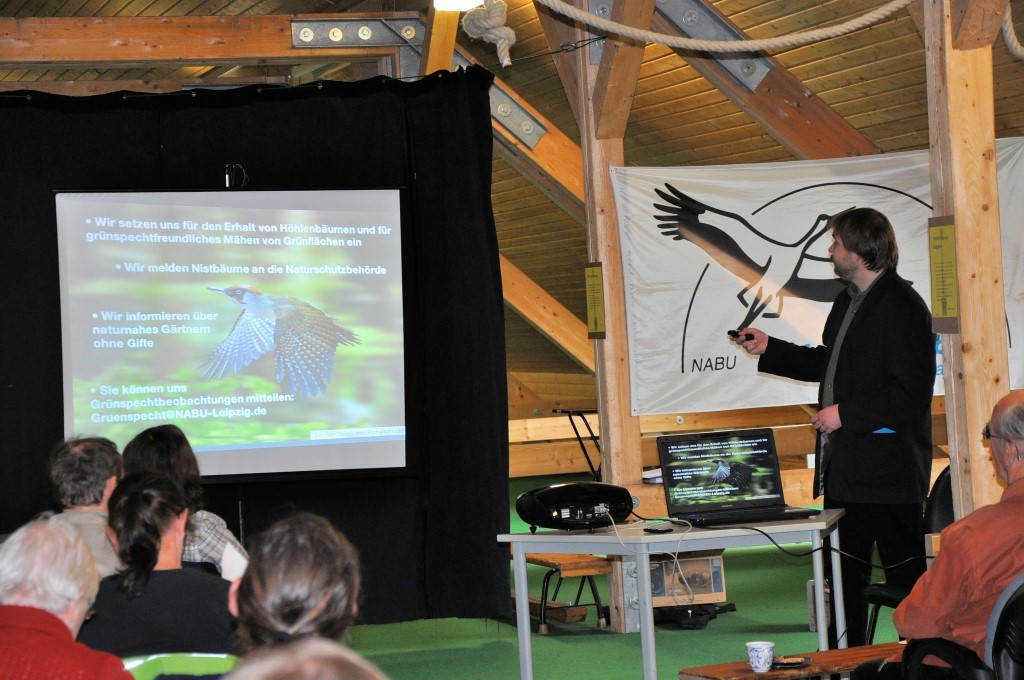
771,270
302,337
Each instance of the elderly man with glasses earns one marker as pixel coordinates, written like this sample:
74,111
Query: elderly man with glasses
981,554
48,582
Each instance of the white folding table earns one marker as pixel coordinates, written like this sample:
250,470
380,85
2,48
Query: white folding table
631,542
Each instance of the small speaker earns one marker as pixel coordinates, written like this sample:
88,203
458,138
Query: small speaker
580,505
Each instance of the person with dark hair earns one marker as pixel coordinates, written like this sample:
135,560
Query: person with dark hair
154,605
307,659
83,473
876,374
303,580
48,582
166,449
980,555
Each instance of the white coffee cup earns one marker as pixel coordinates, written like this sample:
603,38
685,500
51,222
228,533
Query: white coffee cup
760,654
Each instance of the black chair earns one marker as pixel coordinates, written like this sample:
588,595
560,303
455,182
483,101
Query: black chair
938,514
1004,644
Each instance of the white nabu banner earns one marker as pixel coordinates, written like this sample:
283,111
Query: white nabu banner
708,249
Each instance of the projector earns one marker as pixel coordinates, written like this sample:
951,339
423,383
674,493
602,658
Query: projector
581,505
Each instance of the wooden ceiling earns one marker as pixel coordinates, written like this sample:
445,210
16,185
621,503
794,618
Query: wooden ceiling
873,78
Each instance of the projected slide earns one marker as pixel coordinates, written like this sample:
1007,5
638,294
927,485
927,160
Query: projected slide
266,324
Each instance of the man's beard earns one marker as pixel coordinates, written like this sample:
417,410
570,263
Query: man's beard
843,272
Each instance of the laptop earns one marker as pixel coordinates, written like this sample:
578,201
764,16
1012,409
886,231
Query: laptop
725,477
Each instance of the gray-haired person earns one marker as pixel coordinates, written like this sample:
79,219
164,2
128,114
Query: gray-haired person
48,583
83,474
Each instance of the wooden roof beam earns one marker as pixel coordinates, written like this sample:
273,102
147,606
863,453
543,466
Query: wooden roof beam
789,111
617,74
554,164
83,88
547,315
976,23
560,33
80,42
439,42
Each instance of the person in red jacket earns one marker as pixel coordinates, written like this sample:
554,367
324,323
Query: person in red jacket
48,582
980,555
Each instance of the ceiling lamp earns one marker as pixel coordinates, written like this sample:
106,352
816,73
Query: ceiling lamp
456,5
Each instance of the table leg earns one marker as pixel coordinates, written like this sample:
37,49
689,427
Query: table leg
818,564
643,586
837,587
522,612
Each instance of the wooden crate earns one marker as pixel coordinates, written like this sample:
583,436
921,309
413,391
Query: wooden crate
704,573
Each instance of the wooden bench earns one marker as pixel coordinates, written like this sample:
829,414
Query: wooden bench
584,567
821,663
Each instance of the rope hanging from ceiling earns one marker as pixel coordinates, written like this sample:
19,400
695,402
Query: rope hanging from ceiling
488,22
760,45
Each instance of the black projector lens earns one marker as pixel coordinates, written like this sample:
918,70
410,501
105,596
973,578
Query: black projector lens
581,505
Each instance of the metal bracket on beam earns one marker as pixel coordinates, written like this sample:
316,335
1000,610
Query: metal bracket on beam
407,35
697,20
505,109
603,9
356,32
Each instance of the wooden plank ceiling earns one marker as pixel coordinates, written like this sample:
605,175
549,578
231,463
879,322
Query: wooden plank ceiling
874,78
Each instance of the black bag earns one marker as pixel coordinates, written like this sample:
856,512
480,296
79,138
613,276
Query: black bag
691,616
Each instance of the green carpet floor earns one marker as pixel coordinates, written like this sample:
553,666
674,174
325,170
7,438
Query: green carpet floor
767,587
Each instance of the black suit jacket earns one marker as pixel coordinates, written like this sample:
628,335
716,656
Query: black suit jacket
883,382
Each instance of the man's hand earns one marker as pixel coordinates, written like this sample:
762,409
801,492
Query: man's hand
757,344
827,419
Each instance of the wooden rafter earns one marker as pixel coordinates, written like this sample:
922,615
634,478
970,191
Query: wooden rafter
620,66
554,165
796,117
976,23
559,32
80,88
439,43
546,314
79,42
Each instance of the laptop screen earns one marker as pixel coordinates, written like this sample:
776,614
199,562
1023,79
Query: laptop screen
717,470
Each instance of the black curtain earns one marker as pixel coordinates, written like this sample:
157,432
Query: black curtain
426,534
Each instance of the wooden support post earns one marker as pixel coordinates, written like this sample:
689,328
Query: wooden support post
963,178
439,42
621,461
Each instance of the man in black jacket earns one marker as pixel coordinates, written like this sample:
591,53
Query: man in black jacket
876,371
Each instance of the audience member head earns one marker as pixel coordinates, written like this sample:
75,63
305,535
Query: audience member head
83,471
147,518
1005,434
868,233
302,580
46,565
308,659
165,449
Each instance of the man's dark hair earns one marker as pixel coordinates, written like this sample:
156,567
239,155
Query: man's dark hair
166,449
142,509
80,468
302,580
868,233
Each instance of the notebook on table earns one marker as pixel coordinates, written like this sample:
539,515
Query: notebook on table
726,477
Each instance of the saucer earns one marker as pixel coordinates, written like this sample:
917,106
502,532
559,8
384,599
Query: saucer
790,661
